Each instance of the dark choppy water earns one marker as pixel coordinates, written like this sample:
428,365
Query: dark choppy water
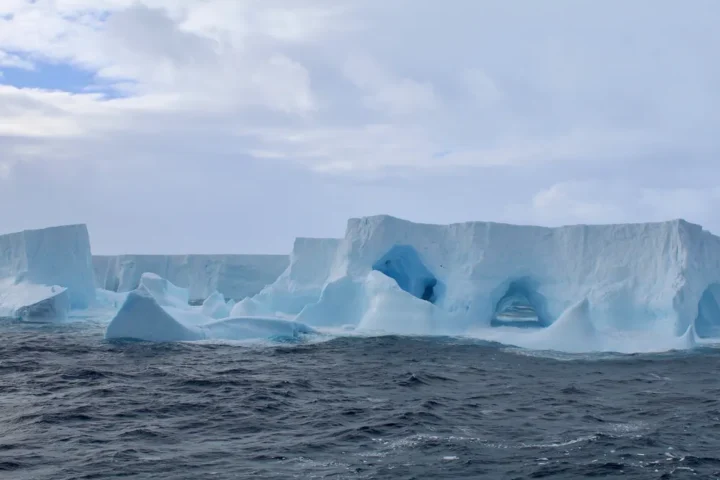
75,407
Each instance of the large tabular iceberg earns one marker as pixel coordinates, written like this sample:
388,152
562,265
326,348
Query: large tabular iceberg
44,273
234,276
392,275
634,287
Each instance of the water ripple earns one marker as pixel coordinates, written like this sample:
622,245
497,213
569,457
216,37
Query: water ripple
73,406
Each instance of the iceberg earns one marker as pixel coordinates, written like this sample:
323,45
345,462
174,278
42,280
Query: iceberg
158,311
374,304
234,276
311,262
165,293
215,307
36,303
574,283
105,299
44,273
631,287
142,318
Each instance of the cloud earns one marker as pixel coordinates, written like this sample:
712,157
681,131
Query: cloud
457,79
385,92
481,87
582,202
549,112
14,61
169,50
603,202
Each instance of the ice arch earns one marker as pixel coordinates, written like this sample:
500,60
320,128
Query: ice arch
707,323
520,305
402,263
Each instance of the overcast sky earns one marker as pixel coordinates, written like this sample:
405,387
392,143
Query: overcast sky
232,126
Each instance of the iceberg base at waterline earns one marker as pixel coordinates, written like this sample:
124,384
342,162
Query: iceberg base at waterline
155,312
574,332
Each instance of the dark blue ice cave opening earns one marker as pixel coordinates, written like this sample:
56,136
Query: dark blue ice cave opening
402,263
520,306
707,323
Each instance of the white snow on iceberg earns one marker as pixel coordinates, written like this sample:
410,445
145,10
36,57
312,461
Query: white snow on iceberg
158,311
580,287
44,273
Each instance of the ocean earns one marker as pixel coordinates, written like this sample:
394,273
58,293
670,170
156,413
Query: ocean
74,406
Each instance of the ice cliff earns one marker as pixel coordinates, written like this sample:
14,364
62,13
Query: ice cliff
633,287
234,276
402,277
300,284
44,273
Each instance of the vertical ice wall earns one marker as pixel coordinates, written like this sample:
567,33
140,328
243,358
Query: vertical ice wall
51,256
657,277
235,276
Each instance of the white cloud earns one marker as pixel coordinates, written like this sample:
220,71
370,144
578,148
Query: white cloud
170,49
387,93
282,64
603,202
483,89
5,168
553,112
29,113
14,61
581,202
695,204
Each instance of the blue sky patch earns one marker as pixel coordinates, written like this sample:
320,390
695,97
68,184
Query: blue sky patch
56,76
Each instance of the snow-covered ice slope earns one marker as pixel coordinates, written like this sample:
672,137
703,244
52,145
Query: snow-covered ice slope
235,276
451,279
51,263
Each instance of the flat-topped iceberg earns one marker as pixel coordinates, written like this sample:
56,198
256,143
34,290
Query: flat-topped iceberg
44,273
396,276
634,287
158,311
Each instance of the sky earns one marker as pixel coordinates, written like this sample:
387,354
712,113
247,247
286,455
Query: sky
234,126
